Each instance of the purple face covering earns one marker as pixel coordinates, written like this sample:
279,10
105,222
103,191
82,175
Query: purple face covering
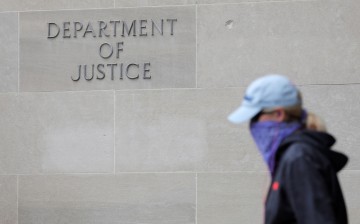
268,135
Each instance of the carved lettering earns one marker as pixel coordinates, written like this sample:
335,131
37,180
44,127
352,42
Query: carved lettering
114,23
101,71
114,29
109,51
171,25
102,28
79,75
143,27
66,29
128,68
128,30
110,71
119,47
89,29
51,27
147,71
77,28
160,30
119,28
92,73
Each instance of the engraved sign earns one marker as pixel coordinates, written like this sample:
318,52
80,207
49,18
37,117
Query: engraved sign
142,48
119,29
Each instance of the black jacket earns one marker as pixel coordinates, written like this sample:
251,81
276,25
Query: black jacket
305,188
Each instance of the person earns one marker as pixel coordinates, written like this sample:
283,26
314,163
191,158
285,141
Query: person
304,186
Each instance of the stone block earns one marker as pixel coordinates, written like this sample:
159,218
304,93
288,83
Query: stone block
350,182
132,48
233,1
314,42
57,133
339,106
9,48
142,3
19,5
181,130
8,199
126,198
231,198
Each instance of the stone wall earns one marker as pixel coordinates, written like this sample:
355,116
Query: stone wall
144,138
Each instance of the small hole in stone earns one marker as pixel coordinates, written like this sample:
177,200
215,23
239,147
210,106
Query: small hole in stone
229,24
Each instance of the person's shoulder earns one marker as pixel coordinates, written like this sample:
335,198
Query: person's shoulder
302,152
297,150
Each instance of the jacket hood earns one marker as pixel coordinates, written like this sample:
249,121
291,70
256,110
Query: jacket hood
319,140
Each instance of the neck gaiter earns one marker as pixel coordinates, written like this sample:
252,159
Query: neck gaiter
268,135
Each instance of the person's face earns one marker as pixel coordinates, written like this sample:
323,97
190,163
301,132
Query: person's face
274,115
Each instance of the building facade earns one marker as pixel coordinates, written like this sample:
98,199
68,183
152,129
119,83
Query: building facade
114,111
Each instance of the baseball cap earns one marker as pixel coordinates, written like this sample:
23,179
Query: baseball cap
266,92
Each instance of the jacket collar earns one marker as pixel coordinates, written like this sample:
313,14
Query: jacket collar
319,140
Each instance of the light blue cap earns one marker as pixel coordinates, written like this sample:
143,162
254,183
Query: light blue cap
267,92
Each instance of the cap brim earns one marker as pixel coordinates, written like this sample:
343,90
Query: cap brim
243,114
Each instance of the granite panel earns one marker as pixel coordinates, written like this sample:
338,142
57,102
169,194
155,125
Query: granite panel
181,130
9,48
142,3
231,197
339,106
132,48
314,42
8,199
57,133
350,183
127,198
20,5
235,1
